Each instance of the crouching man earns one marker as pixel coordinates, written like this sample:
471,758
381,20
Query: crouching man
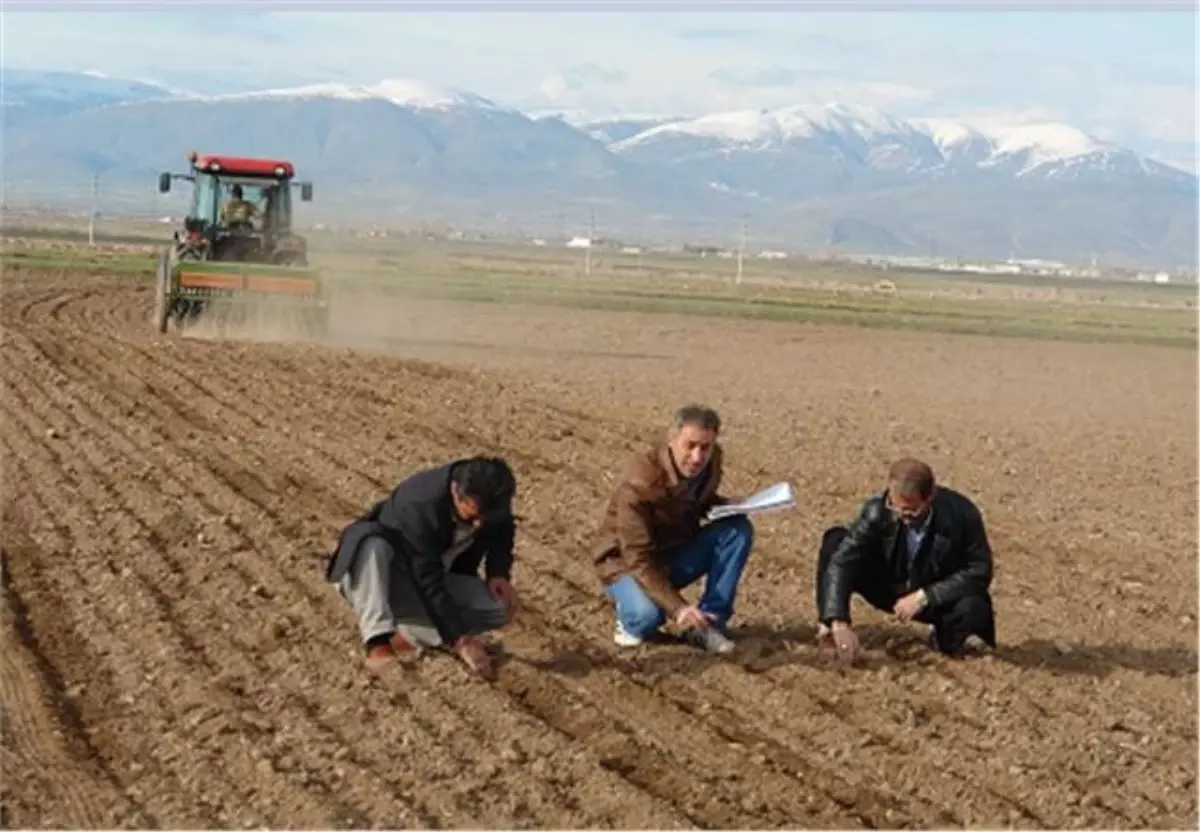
918,551
409,567
653,543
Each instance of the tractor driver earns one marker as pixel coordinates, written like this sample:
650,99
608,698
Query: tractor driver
238,211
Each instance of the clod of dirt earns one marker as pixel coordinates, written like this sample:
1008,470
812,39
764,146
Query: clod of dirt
258,721
512,755
1063,649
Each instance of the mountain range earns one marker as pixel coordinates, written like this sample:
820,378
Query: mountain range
834,177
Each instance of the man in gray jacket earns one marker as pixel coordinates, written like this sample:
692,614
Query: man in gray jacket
918,551
409,567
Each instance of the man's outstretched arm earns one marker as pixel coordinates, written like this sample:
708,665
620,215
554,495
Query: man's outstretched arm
844,564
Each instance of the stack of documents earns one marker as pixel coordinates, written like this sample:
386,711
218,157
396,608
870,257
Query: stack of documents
775,498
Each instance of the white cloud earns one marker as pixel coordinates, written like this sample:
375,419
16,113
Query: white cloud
1160,112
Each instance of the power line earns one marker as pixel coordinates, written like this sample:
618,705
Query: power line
92,212
740,254
587,262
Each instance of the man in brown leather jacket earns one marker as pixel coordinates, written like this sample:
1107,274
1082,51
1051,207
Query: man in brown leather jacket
654,543
917,550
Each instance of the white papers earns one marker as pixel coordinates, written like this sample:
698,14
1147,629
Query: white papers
774,498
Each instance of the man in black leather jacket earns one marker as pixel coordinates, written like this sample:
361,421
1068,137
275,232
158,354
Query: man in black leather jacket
409,567
917,550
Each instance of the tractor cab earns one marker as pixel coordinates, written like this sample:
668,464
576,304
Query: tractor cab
238,256
241,210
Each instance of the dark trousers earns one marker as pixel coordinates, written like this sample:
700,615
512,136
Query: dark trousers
953,622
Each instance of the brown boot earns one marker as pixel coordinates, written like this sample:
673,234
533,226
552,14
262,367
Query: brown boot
383,650
379,656
400,644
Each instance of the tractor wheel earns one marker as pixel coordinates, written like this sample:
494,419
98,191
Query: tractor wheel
162,300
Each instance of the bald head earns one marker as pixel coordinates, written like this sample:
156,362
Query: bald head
910,490
911,478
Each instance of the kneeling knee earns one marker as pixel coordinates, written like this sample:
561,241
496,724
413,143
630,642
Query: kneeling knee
642,619
973,606
975,612
738,528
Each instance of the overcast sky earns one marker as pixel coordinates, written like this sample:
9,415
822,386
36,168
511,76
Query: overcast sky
1127,76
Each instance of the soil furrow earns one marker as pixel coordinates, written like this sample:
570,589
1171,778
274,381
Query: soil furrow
175,665
46,740
148,529
106,673
728,724
423,706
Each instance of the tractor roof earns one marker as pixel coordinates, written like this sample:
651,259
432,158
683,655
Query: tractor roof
243,166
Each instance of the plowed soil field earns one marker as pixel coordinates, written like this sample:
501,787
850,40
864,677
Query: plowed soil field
174,658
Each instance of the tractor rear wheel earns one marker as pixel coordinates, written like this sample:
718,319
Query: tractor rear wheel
162,300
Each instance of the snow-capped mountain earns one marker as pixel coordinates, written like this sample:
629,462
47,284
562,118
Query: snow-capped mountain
837,175
396,147
32,94
862,145
401,92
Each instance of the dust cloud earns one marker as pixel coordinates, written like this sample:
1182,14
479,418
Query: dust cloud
363,318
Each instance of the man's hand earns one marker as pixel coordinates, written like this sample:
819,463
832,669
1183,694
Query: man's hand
503,591
845,641
692,616
475,654
910,605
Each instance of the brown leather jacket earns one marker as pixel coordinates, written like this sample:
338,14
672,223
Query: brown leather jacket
650,517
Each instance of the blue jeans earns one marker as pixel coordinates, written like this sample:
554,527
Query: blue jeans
720,551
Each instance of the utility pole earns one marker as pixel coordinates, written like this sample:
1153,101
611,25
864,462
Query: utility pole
741,254
92,213
587,262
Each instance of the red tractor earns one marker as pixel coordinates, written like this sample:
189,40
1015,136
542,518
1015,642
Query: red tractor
237,246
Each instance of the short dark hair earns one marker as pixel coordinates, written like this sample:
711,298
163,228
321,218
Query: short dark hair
910,476
702,417
489,481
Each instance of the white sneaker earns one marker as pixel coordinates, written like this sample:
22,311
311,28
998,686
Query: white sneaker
710,640
624,638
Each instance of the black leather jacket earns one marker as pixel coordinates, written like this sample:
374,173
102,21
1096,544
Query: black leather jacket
957,559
